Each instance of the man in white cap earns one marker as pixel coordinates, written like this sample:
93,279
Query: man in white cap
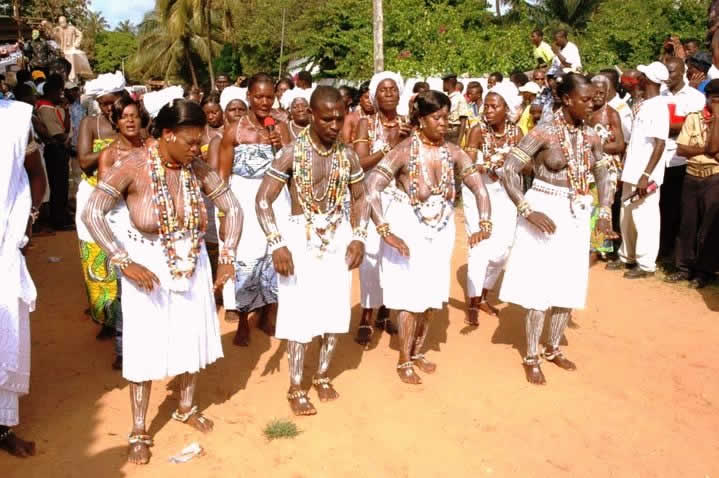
640,219
529,92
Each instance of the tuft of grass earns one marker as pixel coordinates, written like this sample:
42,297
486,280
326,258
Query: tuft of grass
280,429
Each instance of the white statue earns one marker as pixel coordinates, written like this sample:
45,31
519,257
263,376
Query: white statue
69,39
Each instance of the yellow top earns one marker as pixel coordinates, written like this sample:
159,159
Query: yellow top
694,133
97,146
544,52
526,122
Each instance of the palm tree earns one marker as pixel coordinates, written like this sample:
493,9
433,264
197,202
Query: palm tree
573,13
95,23
125,26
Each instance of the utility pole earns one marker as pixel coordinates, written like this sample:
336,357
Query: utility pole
378,25
282,43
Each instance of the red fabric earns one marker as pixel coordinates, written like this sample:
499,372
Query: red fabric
673,117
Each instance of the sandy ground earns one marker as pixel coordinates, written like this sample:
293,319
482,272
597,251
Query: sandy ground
642,404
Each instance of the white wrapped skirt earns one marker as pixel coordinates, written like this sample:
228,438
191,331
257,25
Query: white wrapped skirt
421,281
316,299
486,260
174,328
550,270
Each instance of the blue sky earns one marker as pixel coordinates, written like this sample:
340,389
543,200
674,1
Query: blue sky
116,11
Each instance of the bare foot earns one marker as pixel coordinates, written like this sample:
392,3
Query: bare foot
472,318
195,419
299,403
364,335
407,374
106,333
534,374
489,309
17,446
139,450
423,364
325,390
558,359
242,337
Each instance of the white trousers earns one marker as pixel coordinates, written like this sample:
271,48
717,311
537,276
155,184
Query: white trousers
640,223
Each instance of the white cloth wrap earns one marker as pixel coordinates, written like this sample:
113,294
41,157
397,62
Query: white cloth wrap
18,293
421,281
316,299
232,93
550,270
84,190
253,260
167,332
486,260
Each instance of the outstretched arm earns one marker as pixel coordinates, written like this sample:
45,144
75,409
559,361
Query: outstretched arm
276,178
605,188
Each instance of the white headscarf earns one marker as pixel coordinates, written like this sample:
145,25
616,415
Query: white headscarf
105,84
155,100
290,96
509,93
232,93
379,78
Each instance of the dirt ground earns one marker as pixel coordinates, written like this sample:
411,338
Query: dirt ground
643,402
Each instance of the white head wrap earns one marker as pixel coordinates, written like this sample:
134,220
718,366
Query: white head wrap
105,84
509,93
379,78
155,100
232,93
290,96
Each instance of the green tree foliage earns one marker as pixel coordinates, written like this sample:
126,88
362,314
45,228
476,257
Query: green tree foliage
111,49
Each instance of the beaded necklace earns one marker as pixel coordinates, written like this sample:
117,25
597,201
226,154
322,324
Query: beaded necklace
167,221
371,123
491,142
438,219
577,153
320,226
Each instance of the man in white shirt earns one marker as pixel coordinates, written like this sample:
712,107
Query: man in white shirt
616,102
640,220
566,54
682,99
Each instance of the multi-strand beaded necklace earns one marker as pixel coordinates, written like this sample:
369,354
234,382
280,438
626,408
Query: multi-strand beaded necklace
168,224
491,143
320,225
577,153
440,193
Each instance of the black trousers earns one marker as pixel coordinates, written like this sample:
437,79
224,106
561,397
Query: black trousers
696,248
57,163
670,208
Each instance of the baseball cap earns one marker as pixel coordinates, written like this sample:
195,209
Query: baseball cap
655,72
530,87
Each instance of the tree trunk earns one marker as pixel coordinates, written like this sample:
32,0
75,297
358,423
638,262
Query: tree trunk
189,63
378,25
208,27
498,6
16,15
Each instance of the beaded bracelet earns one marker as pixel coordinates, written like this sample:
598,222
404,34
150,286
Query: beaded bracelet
34,214
275,241
524,209
121,260
361,140
227,257
485,226
471,150
359,234
383,230
605,213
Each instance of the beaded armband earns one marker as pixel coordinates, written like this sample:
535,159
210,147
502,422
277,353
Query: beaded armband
120,260
524,209
359,234
357,177
219,191
277,175
383,230
469,170
386,149
485,226
385,172
361,140
471,150
109,190
521,155
275,241
605,213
